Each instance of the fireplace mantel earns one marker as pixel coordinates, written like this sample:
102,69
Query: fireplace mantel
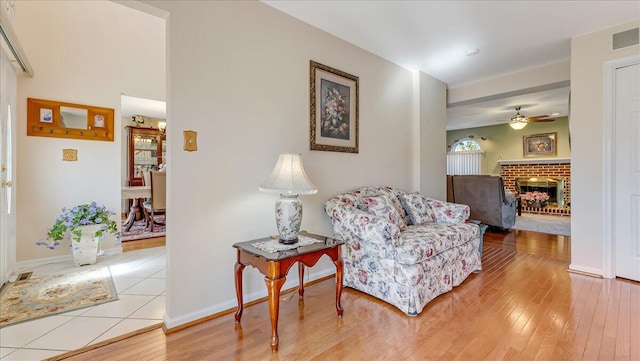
535,161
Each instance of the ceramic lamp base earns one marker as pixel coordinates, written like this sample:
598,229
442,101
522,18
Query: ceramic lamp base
289,241
288,218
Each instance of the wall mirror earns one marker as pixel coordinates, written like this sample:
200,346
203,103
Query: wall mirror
74,117
47,118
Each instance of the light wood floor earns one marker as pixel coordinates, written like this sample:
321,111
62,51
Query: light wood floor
143,243
524,305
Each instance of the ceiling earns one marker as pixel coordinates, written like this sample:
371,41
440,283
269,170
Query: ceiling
434,36
553,102
138,106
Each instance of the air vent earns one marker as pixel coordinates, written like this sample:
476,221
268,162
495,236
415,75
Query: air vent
625,39
24,276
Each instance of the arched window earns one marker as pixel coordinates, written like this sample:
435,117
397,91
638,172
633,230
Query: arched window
465,157
466,144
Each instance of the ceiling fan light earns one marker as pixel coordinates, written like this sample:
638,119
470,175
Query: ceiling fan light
519,118
517,125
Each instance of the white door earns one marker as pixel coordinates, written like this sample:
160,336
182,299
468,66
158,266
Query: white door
8,94
627,172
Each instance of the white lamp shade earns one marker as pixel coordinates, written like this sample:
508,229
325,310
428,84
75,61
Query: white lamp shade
288,178
517,125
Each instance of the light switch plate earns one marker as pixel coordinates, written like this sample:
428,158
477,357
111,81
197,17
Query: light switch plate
190,140
70,155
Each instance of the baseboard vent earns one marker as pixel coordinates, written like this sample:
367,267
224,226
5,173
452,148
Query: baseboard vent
625,39
21,277
24,276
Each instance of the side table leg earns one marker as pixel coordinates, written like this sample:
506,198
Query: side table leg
238,272
273,290
339,268
301,275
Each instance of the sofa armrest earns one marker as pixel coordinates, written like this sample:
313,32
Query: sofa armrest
447,212
509,198
365,226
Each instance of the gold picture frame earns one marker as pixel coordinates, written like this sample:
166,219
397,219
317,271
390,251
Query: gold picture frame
540,145
334,99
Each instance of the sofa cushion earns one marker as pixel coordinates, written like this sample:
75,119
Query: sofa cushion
382,206
417,208
395,194
449,212
424,241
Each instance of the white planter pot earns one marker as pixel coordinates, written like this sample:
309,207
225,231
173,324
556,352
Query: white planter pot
86,251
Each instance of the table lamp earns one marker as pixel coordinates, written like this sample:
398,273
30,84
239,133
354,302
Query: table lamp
288,180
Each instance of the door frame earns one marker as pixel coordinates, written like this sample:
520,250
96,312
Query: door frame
8,216
608,132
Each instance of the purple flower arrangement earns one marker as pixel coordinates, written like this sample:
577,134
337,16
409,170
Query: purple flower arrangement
71,219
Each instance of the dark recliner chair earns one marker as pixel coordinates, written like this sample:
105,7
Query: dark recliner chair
486,198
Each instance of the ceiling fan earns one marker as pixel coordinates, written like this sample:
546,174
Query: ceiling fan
519,121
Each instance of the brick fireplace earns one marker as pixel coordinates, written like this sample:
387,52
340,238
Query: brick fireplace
556,174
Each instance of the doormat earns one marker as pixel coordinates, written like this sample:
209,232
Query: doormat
45,296
139,231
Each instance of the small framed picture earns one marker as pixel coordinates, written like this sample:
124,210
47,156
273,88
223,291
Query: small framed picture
334,109
540,145
46,115
98,121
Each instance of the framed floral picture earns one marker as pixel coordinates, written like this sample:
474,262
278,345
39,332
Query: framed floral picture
333,110
540,145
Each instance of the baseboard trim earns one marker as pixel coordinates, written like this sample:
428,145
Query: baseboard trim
587,271
180,326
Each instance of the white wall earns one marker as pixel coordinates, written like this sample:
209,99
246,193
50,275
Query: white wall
239,76
87,53
588,54
433,150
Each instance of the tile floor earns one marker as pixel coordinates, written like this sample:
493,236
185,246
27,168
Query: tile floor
139,277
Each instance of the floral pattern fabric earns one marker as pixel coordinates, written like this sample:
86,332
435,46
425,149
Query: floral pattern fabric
382,206
418,211
449,212
406,268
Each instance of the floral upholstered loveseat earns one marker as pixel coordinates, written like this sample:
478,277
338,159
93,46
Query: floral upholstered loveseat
402,247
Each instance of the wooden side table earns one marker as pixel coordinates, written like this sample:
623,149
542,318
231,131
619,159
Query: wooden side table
275,266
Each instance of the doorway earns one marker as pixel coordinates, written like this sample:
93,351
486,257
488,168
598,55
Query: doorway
144,151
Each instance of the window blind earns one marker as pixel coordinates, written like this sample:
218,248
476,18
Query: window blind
460,163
